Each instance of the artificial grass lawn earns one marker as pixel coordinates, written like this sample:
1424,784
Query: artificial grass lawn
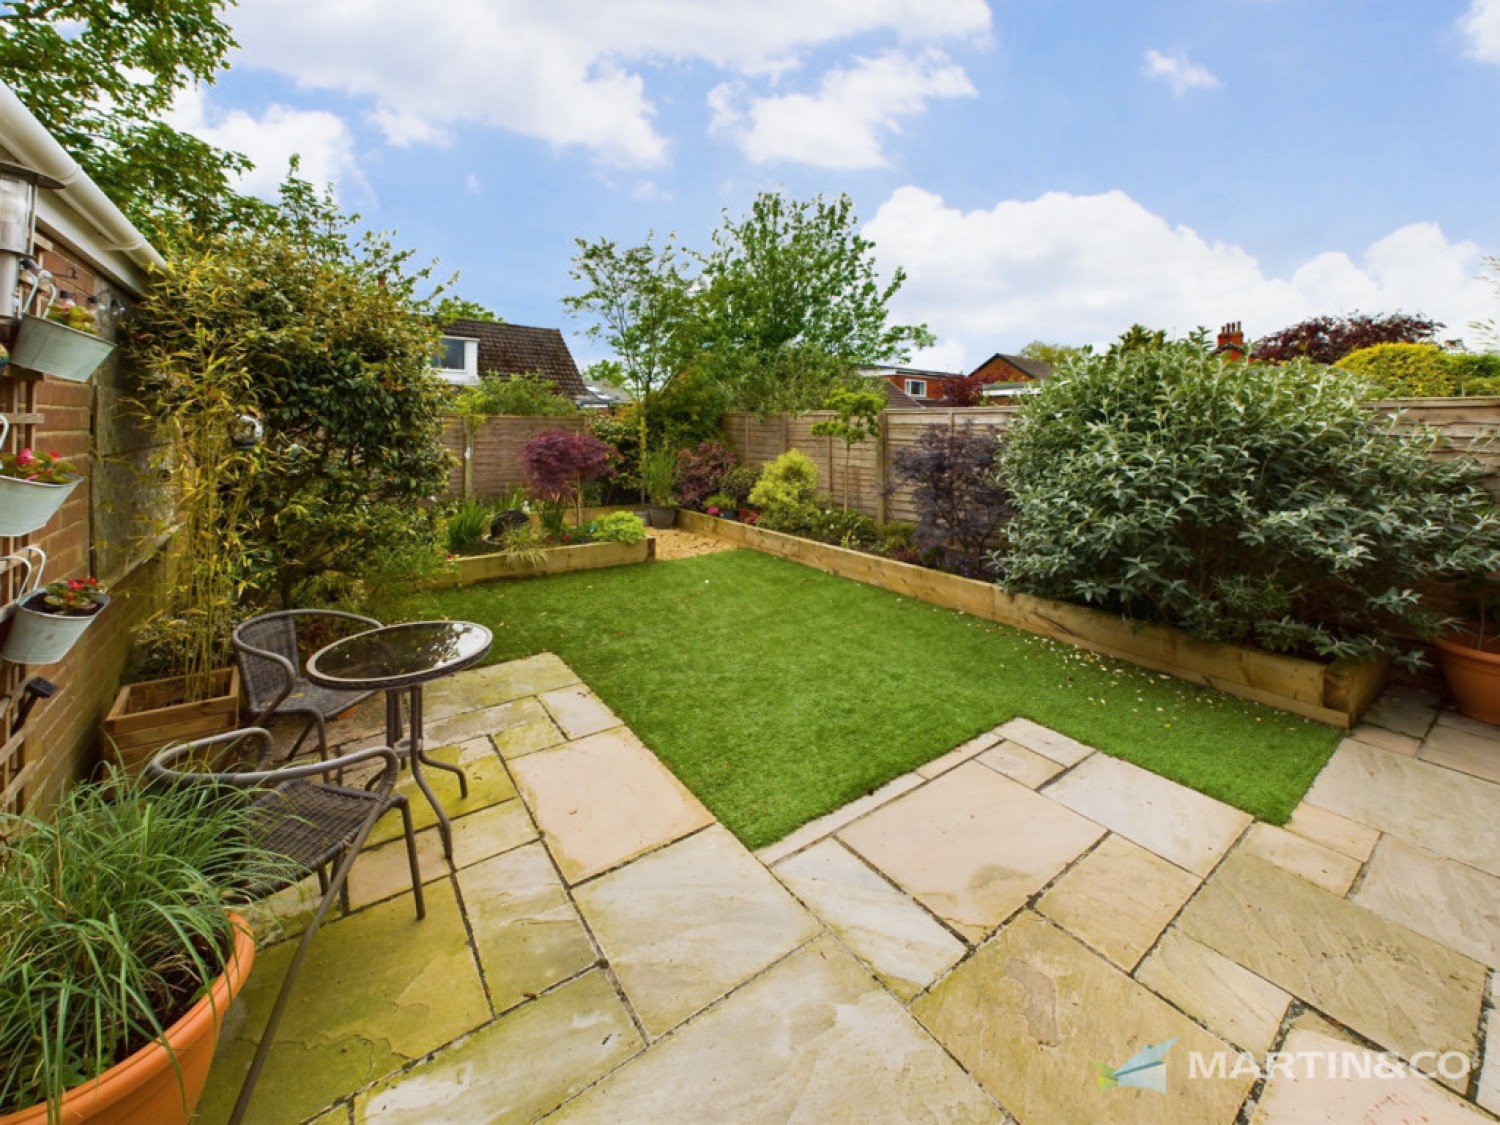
778,693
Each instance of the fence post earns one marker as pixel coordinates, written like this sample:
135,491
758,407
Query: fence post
468,459
882,436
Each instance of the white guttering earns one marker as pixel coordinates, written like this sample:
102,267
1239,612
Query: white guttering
78,211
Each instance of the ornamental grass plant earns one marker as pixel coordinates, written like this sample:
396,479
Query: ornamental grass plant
113,920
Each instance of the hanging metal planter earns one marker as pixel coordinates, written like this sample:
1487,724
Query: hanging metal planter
39,634
55,349
27,505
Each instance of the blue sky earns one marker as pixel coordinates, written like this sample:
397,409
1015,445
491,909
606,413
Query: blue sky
1051,169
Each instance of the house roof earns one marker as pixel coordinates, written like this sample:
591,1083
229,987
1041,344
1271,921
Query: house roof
1035,368
896,398
516,349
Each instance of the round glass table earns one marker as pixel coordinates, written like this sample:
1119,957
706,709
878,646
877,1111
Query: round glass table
399,659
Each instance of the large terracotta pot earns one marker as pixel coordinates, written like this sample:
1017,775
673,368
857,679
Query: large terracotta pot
1473,674
144,1088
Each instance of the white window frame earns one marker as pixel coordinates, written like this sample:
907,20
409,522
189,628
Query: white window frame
469,373
917,388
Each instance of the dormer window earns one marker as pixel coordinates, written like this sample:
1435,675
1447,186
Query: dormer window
457,359
917,388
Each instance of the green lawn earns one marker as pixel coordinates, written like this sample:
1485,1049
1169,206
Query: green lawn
778,693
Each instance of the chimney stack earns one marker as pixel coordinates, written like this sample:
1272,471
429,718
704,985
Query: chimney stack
1231,340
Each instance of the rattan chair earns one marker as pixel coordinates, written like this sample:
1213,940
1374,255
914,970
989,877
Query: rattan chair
301,817
271,669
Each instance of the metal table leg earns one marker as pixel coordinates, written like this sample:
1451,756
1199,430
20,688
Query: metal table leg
417,756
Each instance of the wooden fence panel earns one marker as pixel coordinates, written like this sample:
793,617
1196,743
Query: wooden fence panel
489,454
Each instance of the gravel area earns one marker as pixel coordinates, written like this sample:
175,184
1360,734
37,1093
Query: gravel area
674,544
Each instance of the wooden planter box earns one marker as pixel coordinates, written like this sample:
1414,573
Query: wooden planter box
144,718
555,560
1336,693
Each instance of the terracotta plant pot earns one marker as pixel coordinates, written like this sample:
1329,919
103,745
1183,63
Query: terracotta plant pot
145,1087
1473,674
39,637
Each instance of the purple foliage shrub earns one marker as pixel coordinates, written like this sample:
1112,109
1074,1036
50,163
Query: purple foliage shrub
961,499
559,463
701,471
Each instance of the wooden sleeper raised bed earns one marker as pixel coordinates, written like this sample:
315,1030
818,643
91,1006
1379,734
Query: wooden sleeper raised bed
554,560
1336,692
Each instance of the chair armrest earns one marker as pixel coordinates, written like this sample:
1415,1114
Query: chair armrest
162,766
311,769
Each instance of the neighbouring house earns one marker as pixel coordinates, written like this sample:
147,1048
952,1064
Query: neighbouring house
1004,375
49,714
601,396
896,398
1231,343
474,347
923,386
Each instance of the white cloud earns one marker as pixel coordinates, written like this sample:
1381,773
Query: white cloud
844,124
1177,70
321,139
557,70
1081,269
1481,27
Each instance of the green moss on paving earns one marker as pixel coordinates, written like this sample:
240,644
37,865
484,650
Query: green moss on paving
778,693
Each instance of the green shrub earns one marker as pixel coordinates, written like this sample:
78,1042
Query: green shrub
1405,370
739,482
784,493
467,527
617,527
530,393
844,528
723,502
1246,504
1476,374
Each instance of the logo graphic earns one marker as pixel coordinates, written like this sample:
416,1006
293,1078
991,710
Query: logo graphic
1146,1069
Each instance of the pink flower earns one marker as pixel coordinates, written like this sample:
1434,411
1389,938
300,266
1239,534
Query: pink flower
25,457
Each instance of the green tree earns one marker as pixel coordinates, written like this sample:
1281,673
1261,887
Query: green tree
530,393
323,337
792,303
1138,338
452,308
99,74
856,418
640,300
1404,370
1055,356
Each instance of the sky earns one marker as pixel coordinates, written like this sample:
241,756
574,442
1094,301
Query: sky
1041,169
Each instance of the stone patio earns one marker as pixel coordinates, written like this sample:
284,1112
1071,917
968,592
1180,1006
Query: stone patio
976,941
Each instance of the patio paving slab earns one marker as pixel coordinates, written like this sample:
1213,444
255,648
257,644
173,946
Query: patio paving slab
1331,870
901,942
1473,751
464,725
378,989
958,755
1048,743
527,737
1449,902
525,929
381,872
1394,741
1177,823
1407,710
489,784
490,831
1489,1076
1032,1013
1228,999
1323,1080
603,800
825,826
1348,837
496,683
1425,804
1020,764
1403,991
971,846
578,711
815,1040
1118,899
517,1069
685,925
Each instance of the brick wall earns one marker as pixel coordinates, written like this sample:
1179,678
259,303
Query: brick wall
93,533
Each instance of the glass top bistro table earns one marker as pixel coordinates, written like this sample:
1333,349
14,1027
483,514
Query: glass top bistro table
399,659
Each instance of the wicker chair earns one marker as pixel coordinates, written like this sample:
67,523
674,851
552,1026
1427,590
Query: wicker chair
301,817
271,669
